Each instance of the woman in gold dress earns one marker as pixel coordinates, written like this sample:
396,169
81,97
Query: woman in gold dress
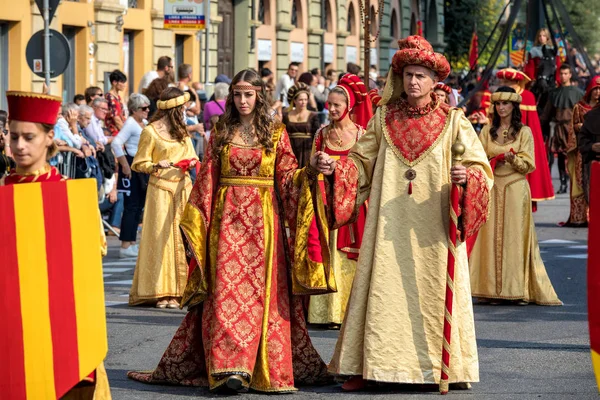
505,263
165,151
349,111
243,328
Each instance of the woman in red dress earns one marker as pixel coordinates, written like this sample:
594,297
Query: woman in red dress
349,111
578,216
31,119
243,328
115,118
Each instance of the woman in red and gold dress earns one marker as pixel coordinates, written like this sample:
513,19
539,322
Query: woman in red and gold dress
579,206
243,328
31,119
349,111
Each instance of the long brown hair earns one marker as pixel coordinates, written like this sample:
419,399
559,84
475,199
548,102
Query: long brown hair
173,115
230,120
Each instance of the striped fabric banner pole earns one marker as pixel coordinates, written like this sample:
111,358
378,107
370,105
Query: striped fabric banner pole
458,149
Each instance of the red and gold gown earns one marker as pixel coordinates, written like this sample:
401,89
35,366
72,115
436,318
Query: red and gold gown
242,318
579,206
344,246
95,386
539,180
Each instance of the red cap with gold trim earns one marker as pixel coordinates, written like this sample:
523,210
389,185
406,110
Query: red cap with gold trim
32,107
511,74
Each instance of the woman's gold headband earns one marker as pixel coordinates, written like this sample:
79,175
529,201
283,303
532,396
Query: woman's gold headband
246,87
507,96
174,102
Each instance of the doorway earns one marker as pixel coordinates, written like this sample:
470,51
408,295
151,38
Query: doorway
226,39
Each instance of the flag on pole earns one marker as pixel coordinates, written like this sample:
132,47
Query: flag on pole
473,50
593,270
52,290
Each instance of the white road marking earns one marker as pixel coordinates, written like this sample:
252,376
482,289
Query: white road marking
116,263
576,256
128,282
579,247
115,303
117,269
106,275
557,241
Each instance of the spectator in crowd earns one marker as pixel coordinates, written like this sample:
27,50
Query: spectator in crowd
311,81
222,78
352,68
215,107
91,94
115,118
286,81
153,92
164,68
267,75
79,99
132,184
331,78
67,121
184,74
94,130
6,162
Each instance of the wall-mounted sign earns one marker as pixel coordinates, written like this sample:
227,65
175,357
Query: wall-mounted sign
184,14
328,53
374,59
351,54
265,50
297,52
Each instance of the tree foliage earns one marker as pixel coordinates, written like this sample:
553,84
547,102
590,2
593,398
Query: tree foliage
585,16
461,17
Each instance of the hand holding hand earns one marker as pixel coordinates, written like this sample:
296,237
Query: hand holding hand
325,164
509,156
164,164
458,174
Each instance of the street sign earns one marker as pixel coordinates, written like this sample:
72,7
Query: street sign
52,4
184,14
60,53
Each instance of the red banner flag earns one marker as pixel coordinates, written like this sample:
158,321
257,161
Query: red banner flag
594,270
52,303
473,51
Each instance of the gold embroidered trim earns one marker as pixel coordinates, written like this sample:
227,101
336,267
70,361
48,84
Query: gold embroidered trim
506,96
527,108
397,152
246,87
261,181
33,95
174,102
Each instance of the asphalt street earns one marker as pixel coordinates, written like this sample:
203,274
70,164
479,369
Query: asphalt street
525,352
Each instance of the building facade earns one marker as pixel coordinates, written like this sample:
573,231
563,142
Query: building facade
104,35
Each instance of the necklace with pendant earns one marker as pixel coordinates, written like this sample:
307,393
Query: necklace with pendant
247,134
338,142
505,132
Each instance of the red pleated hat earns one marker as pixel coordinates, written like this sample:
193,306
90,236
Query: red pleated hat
32,107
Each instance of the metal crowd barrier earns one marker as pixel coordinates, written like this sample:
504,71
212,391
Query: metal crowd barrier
66,164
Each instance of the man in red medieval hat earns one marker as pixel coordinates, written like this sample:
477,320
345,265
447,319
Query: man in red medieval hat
540,181
394,321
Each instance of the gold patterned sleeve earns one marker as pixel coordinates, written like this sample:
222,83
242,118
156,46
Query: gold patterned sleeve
577,119
524,162
142,162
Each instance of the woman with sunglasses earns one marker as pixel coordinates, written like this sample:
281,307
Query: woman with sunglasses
132,184
505,263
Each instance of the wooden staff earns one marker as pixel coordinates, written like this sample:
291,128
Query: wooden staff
458,149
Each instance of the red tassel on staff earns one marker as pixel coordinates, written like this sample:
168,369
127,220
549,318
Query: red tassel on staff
410,187
457,151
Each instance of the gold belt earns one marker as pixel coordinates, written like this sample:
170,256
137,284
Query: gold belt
262,181
300,136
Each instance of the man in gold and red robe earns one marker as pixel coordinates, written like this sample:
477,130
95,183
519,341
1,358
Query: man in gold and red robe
539,180
394,321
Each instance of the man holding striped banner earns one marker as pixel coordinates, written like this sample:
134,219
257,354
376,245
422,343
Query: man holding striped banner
54,336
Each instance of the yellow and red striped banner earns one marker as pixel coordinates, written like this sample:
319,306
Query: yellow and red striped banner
52,288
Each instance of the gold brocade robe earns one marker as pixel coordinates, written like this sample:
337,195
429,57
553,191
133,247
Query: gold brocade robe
394,321
241,318
506,261
161,269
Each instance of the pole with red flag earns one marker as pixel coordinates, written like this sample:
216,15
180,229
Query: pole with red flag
458,149
473,50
